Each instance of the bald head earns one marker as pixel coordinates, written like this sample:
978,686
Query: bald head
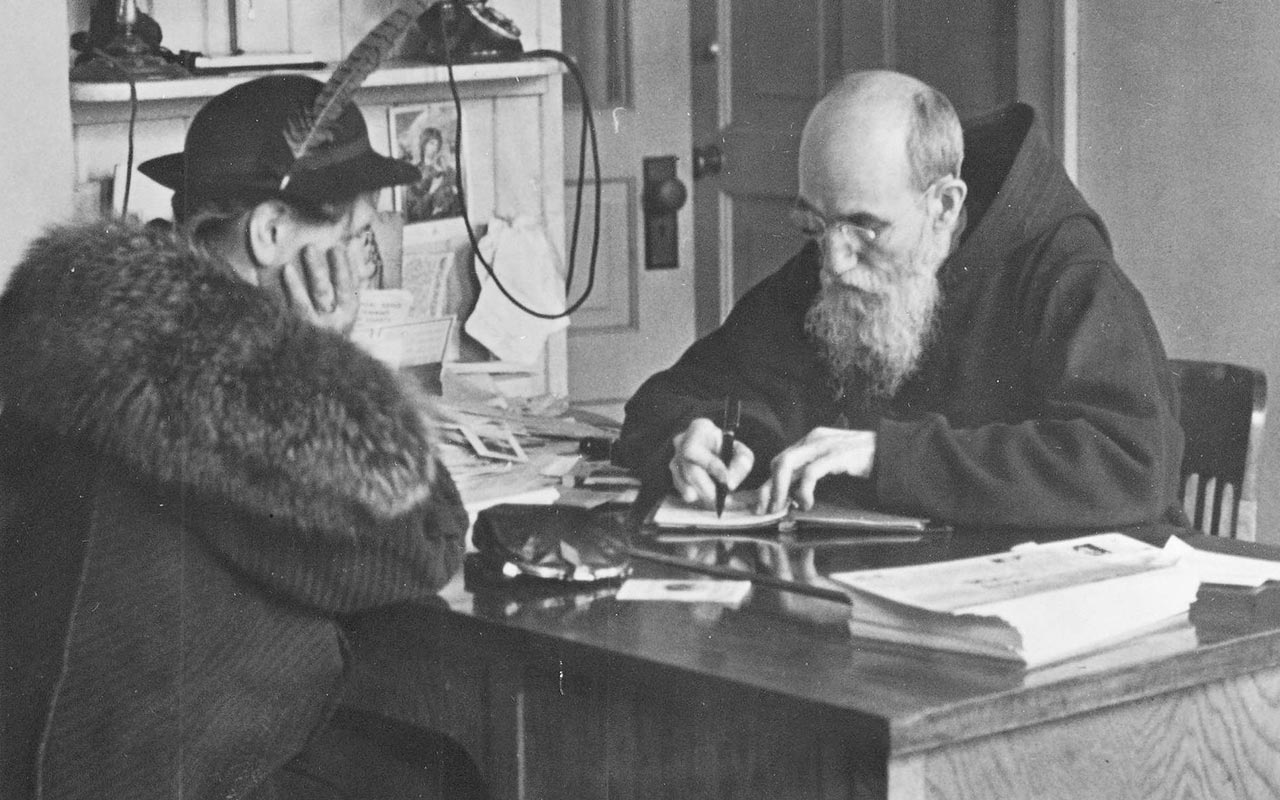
880,194
883,127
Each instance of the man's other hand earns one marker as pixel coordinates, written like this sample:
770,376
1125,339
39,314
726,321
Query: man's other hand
320,286
696,465
824,451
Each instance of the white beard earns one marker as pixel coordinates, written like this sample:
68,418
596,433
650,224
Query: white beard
873,334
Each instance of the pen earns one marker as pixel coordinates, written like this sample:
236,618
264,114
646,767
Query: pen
729,430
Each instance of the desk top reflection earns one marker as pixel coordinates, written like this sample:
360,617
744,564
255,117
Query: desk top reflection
797,644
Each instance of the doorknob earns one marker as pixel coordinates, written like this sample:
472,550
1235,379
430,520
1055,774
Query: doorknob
707,160
664,195
667,195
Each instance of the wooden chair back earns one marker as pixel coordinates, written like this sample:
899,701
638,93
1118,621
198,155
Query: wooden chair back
1222,414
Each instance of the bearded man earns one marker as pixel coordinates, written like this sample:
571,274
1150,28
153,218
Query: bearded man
956,344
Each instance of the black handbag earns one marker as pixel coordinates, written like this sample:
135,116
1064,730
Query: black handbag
564,544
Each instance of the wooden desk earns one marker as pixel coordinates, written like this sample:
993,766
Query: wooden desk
583,696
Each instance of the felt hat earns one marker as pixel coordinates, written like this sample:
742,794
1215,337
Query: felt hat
238,143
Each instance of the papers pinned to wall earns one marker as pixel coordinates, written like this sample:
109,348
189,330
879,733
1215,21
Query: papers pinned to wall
528,267
435,268
387,331
383,307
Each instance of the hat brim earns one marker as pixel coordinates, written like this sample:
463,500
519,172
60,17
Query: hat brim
363,173
164,170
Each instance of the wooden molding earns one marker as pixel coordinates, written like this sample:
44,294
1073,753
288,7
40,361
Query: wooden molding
1048,70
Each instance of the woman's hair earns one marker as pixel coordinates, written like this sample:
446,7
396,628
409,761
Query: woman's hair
205,219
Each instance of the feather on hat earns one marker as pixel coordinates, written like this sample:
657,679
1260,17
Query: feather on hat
291,134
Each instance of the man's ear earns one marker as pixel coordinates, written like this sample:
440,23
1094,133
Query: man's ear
267,238
949,202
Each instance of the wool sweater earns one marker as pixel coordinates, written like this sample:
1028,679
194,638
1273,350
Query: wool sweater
1044,399
195,488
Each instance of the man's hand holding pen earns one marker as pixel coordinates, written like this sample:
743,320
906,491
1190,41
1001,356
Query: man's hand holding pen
728,442
696,467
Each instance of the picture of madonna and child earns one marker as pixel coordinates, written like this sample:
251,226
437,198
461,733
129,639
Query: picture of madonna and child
423,138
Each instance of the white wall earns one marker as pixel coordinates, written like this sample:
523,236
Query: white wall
35,127
1179,125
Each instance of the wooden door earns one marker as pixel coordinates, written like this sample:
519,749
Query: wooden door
635,58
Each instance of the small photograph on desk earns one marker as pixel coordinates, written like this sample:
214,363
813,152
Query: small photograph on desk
731,593
423,136
494,442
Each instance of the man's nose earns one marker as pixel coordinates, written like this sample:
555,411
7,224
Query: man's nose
839,254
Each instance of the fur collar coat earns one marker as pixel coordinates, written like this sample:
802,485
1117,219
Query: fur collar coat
195,487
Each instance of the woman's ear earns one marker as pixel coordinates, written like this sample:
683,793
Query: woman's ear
268,234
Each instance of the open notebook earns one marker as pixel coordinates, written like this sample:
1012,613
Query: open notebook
739,515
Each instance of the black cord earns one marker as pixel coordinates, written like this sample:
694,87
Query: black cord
582,155
128,165
588,128
133,121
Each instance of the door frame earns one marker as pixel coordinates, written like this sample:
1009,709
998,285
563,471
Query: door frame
1052,84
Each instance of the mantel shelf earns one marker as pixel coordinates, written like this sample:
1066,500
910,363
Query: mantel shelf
401,73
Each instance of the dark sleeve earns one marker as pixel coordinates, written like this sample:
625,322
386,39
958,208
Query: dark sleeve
757,356
1105,446
404,559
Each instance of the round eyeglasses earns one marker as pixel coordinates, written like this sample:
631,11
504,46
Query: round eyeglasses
816,227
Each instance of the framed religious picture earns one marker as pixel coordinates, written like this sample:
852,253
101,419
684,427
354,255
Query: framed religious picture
423,136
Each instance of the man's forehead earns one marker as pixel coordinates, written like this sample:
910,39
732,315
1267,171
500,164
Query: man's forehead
857,144
843,178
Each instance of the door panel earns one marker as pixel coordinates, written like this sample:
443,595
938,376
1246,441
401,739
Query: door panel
966,48
753,88
763,241
612,303
777,52
635,56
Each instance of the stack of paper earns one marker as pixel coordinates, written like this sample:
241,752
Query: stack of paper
1035,604
1228,568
